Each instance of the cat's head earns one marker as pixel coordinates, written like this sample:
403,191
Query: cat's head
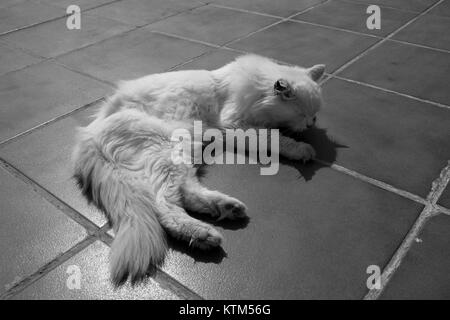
293,99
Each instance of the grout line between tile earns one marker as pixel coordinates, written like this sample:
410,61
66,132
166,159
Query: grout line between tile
380,5
273,24
162,278
377,44
419,45
221,6
94,232
430,210
49,122
55,18
427,212
133,28
437,104
375,182
212,45
48,267
335,28
91,227
298,20
443,210
329,75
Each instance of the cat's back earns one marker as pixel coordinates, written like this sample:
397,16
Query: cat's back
161,93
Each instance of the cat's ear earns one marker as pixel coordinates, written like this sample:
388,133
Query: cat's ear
316,72
283,89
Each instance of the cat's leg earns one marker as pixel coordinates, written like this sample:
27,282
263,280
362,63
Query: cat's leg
198,198
296,150
180,225
287,147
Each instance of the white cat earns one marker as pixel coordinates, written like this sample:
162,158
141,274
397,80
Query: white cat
123,158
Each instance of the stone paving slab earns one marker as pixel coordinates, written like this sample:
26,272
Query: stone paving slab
385,136
132,55
92,265
416,71
385,121
305,44
353,16
24,14
45,157
283,8
429,30
296,245
213,25
411,5
445,198
33,231
423,273
53,38
12,59
141,12
39,93
83,4
442,9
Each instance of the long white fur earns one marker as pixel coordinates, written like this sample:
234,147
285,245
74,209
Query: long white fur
122,159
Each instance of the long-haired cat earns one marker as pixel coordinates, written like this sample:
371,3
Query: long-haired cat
122,160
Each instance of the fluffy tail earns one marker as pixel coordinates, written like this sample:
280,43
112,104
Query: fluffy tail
140,241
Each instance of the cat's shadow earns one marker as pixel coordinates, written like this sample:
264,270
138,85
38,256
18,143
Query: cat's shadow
326,152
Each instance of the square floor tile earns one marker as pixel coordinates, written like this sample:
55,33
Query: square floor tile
412,5
141,12
9,3
92,263
353,16
429,30
306,45
211,60
132,55
212,24
13,59
41,92
442,9
420,72
304,240
45,157
444,199
385,136
83,4
33,232
423,273
283,8
53,38
27,13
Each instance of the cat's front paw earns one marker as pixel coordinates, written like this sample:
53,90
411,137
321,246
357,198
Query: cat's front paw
301,151
231,208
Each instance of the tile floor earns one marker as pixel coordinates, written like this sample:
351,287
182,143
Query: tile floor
376,195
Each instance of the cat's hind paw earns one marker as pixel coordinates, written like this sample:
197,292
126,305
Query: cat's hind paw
207,239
